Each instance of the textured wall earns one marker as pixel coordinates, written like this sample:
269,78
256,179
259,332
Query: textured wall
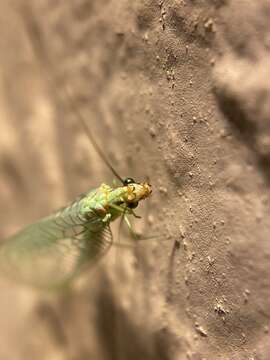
177,91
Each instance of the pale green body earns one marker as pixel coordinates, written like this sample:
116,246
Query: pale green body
50,252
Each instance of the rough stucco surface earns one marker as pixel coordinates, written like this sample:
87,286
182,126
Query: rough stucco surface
174,90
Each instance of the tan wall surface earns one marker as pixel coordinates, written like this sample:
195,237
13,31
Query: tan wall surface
177,91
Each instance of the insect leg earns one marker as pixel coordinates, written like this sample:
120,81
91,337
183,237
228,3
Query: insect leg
137,236
135,215
118,208
133,234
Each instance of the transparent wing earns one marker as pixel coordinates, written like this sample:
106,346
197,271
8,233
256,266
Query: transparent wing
50,256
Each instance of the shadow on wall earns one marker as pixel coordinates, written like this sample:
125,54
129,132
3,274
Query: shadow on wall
246,128
122,338
119,333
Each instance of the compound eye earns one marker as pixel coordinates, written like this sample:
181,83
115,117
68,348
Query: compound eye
128,181
133,205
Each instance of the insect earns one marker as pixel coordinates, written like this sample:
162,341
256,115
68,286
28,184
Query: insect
54,250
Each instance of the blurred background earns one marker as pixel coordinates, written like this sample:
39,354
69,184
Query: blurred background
174,91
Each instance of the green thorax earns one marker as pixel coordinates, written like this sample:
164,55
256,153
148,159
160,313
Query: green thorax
100,202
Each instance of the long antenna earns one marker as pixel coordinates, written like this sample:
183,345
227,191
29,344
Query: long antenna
35,37
93,141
